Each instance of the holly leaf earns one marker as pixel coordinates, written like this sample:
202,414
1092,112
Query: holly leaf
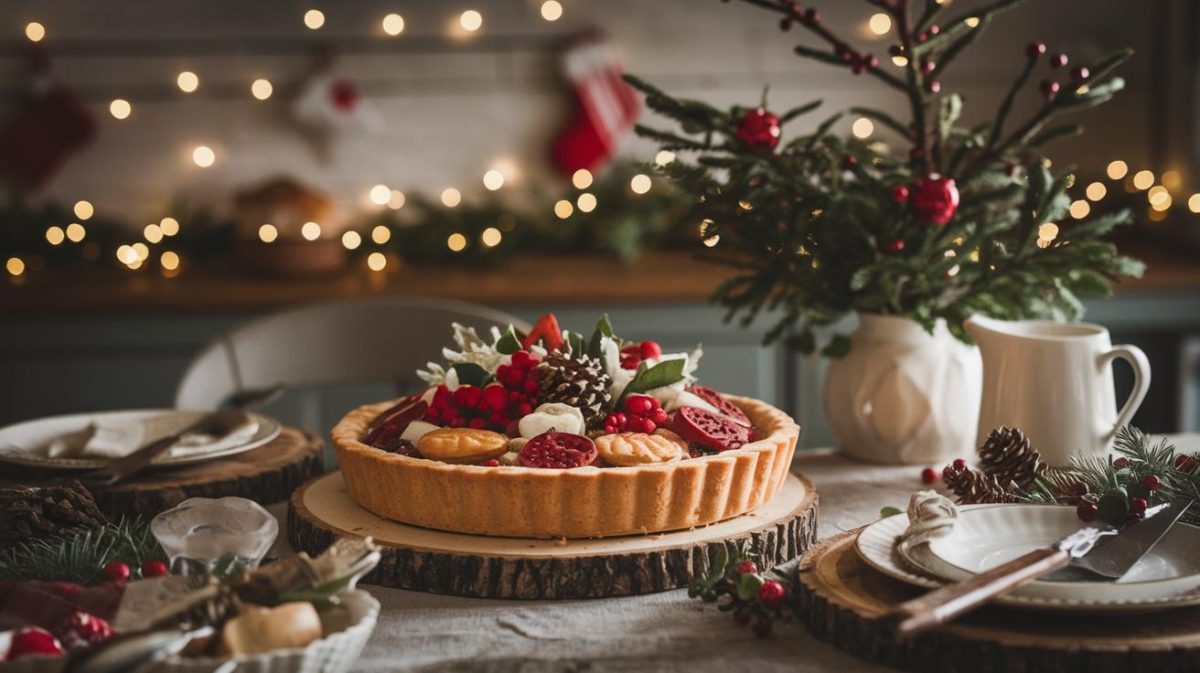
575,339
603,329
471,374
510,341
662,374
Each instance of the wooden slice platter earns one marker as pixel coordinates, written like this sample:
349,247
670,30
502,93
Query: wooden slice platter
843,602
267,474
421,559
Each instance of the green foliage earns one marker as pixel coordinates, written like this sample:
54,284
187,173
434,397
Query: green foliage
81,557
812,226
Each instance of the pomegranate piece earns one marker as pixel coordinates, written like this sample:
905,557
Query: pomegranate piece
387,427
558,450
708,429
718,400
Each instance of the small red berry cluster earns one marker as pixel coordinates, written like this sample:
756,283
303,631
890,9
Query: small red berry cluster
492,407
1048,87
754,600
642,413
633,354
1118,506
120,571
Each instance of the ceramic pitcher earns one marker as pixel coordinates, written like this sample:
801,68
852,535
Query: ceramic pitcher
1054,382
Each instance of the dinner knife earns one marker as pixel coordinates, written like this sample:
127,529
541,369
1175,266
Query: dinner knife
217,423
1107,552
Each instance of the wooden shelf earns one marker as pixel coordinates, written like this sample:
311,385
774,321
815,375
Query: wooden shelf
659,277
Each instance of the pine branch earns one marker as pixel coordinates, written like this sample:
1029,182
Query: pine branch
81,558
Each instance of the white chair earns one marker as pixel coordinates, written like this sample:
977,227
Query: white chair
345,343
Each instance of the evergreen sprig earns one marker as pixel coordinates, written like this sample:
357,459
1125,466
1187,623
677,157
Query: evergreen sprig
815,229
81,557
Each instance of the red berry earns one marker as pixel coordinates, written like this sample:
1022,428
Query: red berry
1121,463
1058,60
708,429
927,67
1151,482
1080,73
1185,463
525,409
82,630
659,416
1138,505
630,361
771,593
649,349
476,423
928,476
523,359
491,463
933,86
849,162
33,640
1050,88
558,450
935,29
117,571
1035,49
639,405
495,398
812,16
154,568
895,246
642,424
746,566
959,464
1087,511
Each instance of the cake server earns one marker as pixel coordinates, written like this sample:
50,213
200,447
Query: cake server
1106,552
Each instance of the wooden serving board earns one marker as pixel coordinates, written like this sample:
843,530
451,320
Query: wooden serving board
421,559
267,474
843,602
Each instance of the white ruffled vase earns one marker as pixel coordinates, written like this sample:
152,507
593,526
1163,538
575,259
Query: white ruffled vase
903,395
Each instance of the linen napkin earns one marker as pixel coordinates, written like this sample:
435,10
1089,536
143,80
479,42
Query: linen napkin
112,439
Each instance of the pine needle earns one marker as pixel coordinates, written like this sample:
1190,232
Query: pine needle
81,557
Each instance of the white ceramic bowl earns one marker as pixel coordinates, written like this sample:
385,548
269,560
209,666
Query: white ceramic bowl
348,628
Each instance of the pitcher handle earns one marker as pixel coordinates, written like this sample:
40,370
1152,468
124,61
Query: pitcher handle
1141,379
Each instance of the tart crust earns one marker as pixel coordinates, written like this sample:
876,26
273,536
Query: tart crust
582,502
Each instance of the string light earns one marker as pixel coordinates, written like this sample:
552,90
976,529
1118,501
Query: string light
84,210
36,32
456,242
15,266
141,250
879,24
1117,169
1157,195
862,128
451,197
153,233
120,108
1172,180
552,10
267,233
563,209
470,20
169,226
393,24
971,21
491,237
377,261
493,180
640,183
1096,191
582,178
1048,231
395,199
899,61
1143,179
187,81
351,240
311,231
381,234
712,241
1194,203
664,157
203,156
55,235
380,195
126,255
314,19
261,89
586,202
75,232
169,260
1080,209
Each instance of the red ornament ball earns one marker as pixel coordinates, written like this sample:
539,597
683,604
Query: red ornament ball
771,593
1087,511
899,193
759,130
117,571
934,199
746,566
928,475
1151,482
1035,49
154,568
33,640
894,246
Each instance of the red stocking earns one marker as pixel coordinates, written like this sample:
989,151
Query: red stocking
604,109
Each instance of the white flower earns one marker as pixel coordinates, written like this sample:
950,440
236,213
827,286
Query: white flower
475,350
435,375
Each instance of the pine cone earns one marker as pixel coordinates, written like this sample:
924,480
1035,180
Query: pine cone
581,383
1007,456
47,510
974,488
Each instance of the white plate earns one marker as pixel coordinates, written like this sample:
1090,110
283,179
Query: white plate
20,443
987,535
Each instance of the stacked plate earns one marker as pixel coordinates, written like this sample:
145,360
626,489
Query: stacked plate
986,536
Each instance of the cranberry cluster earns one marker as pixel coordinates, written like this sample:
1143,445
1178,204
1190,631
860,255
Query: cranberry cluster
642,414
633,354
492,407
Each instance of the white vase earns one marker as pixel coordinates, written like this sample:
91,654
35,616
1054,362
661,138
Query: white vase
903,395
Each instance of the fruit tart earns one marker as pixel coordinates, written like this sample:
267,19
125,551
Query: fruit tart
552,433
